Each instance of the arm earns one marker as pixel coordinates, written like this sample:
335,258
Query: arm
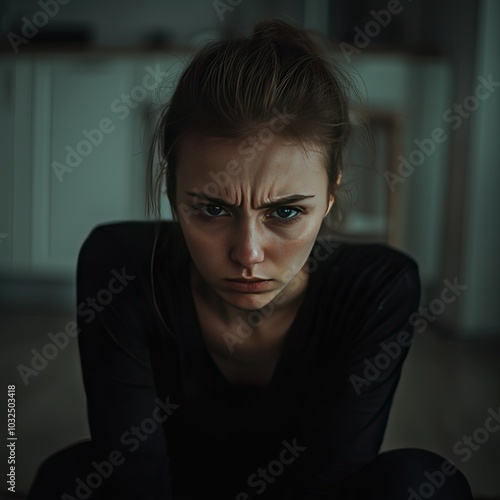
115,360
350,420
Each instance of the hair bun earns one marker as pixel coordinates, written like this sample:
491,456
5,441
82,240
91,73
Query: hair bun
290,39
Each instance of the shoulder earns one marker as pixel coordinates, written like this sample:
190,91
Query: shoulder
125,243
124,237
368,294
367,260
369,272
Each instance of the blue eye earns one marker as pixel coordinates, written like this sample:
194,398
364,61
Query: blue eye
286,212
212,211
282,214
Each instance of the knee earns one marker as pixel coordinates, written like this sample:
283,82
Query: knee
56,475
426,474
410,474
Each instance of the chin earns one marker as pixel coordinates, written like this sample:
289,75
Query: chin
249,301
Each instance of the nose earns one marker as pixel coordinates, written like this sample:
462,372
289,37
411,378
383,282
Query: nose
247,245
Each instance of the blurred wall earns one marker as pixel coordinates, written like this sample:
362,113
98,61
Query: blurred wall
482,225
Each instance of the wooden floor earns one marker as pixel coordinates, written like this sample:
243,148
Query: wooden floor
445,392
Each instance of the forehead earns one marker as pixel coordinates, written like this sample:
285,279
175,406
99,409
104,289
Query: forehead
248,161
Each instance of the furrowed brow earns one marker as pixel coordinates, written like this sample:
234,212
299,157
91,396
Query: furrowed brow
293,198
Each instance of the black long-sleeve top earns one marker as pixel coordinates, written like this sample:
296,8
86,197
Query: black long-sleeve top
172,426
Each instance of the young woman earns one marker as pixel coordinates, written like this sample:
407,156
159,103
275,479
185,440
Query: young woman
234,352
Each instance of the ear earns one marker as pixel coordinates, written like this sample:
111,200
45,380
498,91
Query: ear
339,178
331,199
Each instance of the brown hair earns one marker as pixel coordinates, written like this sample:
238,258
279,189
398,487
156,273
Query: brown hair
232,87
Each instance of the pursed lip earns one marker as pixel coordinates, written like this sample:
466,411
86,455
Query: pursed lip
249,286
243,280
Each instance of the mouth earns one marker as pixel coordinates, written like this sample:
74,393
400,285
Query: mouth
249,285
251,280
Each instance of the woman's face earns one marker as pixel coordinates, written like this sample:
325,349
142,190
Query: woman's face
224,194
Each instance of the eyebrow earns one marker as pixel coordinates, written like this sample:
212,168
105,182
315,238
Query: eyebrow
293,198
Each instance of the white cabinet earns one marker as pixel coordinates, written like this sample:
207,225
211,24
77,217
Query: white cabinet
79,139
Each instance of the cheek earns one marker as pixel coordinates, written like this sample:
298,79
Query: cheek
288,254
297,237
205,249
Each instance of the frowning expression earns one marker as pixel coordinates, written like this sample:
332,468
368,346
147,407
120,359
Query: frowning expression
250,217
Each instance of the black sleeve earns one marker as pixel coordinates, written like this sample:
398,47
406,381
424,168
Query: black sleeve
123,414
348,429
